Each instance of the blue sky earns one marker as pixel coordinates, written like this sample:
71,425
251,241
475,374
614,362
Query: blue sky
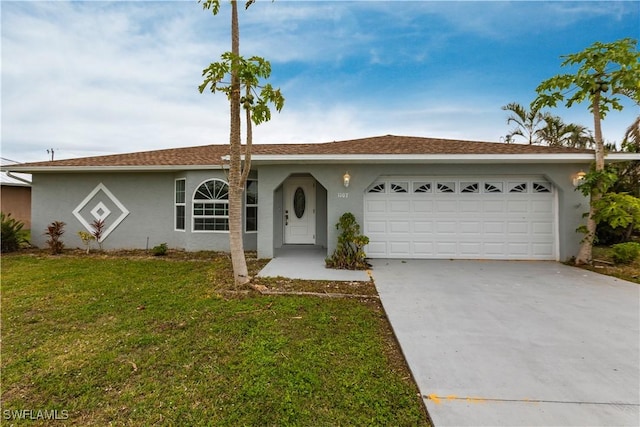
91,78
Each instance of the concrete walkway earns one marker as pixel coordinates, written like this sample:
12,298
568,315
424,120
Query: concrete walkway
307,263
493,343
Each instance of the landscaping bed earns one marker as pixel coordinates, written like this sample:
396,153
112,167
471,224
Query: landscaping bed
604,264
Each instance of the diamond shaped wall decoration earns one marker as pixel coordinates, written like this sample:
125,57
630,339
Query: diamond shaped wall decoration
97,202
100,212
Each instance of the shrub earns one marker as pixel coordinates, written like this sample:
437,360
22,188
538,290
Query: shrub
349,253
55,230
12,235
625,253
160,250
98,231
86,239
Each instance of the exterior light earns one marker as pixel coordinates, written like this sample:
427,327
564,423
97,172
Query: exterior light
578,178
346,178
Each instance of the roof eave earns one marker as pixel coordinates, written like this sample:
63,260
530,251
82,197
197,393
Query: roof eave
79,169
438,158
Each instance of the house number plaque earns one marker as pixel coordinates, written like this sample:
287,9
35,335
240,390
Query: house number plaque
343,195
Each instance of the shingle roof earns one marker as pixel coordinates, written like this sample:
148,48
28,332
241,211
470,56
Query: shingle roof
379,145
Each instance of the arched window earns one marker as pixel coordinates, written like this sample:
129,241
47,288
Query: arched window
211,206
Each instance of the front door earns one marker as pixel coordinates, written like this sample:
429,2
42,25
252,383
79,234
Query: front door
300,211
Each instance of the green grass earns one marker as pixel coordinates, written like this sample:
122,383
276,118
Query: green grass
630,272
146,341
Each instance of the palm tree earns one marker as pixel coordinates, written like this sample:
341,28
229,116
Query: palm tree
578,136
557,133
527,122
631,140
553,133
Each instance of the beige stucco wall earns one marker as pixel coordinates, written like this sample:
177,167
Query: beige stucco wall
16,200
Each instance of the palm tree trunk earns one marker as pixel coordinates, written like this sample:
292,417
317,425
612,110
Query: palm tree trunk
585,254
238,261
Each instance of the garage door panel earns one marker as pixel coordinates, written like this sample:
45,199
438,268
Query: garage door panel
542,249
400,226
494,227
501,220
518,227
399,206
420,226
518,206
494,206
399,248
374,206
470,249
494,249
446,227
470,206
422,206
376,226
446,206
541,206
446,248
423,249
376,249
470,227
542,228
518,249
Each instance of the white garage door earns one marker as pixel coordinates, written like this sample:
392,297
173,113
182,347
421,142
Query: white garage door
461,217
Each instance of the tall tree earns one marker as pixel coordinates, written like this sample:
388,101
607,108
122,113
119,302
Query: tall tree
554,131
631,140
245,75
527,121
578,136
602,73
557,133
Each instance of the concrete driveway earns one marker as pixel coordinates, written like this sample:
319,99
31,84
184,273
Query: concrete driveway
508,343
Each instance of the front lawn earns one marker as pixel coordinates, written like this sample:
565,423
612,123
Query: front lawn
136,340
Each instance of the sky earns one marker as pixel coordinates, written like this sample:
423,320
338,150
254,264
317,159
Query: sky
88,78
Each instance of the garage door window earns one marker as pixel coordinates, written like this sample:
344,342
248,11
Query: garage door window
517,187
421,187
541,187
470,187
493,187
446,187
399,187
378,187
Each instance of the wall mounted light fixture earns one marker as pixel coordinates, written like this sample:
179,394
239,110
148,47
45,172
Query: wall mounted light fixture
346,179
578,178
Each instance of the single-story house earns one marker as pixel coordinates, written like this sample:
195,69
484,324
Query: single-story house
414,197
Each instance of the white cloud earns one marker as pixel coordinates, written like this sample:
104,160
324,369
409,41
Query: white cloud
91,78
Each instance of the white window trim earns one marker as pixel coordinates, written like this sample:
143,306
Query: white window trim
248,205
176,204
194,201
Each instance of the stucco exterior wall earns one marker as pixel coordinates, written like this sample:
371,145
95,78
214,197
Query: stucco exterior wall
16,200
571,204
149,198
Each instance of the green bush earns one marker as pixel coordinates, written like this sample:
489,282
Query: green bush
12,234
625,253
160,250
349,253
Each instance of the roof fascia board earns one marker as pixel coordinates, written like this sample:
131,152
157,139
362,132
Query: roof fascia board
436,158
76,169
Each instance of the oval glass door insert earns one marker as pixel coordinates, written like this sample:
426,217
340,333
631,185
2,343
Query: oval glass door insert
299,202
